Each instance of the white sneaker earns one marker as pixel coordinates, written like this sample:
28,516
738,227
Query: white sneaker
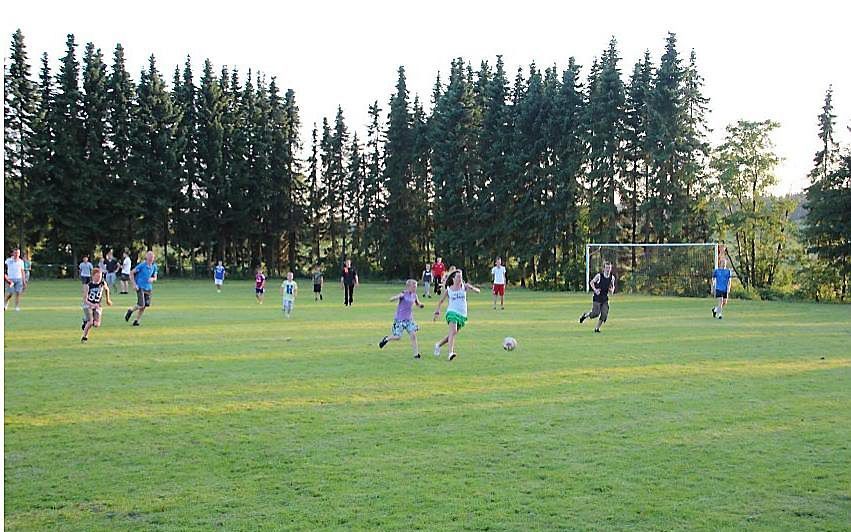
437,350
451,356
17,309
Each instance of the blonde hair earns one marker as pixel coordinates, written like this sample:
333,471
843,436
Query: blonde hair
411,282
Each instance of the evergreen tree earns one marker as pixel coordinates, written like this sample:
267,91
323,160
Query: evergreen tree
120,95
373,212
40,192
295,186
95,170
154,159
317,203
19,109
187,208
70,224
696,154
399,252
211,167
828,223
606,116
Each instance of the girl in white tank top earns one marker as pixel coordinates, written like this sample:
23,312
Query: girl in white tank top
456,311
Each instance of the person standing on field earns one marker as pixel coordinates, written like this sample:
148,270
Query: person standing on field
85,270
437,271
318,283
219,276
125,272
142,277
499,281
603,284
17,281
111,270
720,287
349,280
427,281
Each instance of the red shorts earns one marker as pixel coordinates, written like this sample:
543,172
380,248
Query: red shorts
499,289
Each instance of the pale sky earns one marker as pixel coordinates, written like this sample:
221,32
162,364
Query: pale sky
760,59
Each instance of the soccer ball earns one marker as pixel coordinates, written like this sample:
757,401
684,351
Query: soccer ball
509,344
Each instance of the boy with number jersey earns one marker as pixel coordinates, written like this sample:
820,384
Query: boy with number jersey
93,292
85,270
259,285
142,278
498,273
219,276
427,280
602,284
289,291
456,311
404,318
720,287
318,283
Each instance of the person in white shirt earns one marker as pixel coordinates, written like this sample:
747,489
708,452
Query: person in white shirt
126,264
17,281
289,291
456,310
498,273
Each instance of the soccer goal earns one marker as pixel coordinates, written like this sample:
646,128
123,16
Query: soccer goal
670,269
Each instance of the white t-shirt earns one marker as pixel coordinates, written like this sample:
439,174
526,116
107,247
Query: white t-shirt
457,301
125,266
15,268
498,273
290,288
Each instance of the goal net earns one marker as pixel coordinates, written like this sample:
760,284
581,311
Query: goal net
682,269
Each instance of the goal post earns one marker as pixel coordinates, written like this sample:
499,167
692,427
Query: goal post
678,268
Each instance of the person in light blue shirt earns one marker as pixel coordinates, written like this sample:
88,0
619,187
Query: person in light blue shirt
219,276
720,287
142,277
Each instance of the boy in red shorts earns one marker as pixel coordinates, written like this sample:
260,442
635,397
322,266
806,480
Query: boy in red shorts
499,281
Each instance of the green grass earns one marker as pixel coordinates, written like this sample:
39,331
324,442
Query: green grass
219,414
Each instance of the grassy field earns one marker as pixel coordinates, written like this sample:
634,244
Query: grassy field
218,413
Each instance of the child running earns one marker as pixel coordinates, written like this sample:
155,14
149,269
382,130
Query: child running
93,292
404,319
259,285
456,310
289,291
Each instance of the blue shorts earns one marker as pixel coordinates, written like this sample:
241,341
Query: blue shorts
17,286
400,326
721,293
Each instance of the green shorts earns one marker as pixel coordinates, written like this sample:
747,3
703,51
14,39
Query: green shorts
457,319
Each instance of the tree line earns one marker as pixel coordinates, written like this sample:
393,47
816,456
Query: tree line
530,168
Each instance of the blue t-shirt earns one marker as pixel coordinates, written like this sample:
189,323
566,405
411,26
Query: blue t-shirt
722,279
143,274
220,272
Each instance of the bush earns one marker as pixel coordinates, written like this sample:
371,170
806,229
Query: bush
737,292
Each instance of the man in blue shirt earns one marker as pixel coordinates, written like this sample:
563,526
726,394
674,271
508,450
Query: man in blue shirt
720,287
219,276
142,277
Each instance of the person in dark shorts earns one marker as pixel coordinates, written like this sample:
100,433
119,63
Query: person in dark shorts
85,270
259,285
437,271
720,287
318,283
349,280
142,277
93,294
124,276
603,284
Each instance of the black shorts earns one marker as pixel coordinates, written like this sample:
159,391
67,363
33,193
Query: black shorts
721,293
258,291
143,298
124,276
85,280
317,288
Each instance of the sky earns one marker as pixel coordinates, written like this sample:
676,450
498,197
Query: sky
760,59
